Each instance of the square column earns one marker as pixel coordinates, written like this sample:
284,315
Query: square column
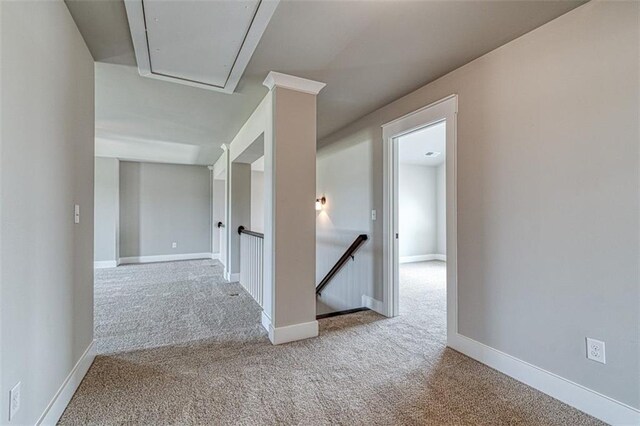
290,229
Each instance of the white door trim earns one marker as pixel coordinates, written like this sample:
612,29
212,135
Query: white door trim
444,110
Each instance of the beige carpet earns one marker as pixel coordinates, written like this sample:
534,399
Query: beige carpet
362,370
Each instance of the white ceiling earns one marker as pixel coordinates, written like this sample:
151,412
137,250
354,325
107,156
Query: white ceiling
368,52
135,113
412,147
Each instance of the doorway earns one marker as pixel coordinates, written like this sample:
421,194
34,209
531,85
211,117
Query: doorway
400,243
422,221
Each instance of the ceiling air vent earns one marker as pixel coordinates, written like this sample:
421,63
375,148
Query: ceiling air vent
205,44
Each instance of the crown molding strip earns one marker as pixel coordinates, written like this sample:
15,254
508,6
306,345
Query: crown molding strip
286,81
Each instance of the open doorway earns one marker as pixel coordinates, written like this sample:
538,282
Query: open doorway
422,221
420,214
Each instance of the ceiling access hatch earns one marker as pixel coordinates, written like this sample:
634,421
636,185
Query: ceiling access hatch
206,44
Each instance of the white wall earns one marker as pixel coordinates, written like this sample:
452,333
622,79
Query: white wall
548,202
106,211
161,204
46,166
257,201
441,211
418,213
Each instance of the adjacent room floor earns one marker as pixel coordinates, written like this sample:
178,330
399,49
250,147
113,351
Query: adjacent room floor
160,304
206,360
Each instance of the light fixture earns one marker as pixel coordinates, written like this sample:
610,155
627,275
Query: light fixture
320,202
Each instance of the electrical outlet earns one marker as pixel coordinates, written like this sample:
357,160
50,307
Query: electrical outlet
14,398
174,245
595,350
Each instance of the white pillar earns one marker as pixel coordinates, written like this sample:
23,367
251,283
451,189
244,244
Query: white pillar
290,185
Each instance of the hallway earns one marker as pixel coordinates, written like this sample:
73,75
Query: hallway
158,304
214,364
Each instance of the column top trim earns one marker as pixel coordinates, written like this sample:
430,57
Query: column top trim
276,79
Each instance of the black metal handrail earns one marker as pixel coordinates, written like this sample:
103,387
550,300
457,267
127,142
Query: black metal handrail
341,262
243,230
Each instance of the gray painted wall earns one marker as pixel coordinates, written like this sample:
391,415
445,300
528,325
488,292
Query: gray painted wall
106,209
46,166
257,201
218,215
239,212
344,177
418,214
161,204
548,202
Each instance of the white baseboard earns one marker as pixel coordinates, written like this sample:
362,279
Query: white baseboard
232,278
61,399
164,258
422,258
215,256
100,264
291,333
373,304
584,399
266,321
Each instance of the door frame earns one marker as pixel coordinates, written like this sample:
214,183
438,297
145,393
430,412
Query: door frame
443,110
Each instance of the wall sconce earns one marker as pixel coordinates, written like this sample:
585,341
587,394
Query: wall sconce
320,202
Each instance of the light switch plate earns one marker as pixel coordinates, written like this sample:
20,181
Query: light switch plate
374,215
76,213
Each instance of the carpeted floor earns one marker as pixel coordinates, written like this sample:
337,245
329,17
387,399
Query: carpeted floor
363,369
159,304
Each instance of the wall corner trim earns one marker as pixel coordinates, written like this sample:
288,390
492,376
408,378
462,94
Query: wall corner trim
266,321
232,278
291,333
100,264
584,399
373,304
61,398
276,79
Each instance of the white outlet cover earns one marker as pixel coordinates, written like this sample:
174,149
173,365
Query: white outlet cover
14,397
596,350
174,245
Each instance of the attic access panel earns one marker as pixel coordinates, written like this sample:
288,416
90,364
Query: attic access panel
206,44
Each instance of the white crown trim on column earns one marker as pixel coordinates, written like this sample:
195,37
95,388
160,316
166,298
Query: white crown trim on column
276,79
